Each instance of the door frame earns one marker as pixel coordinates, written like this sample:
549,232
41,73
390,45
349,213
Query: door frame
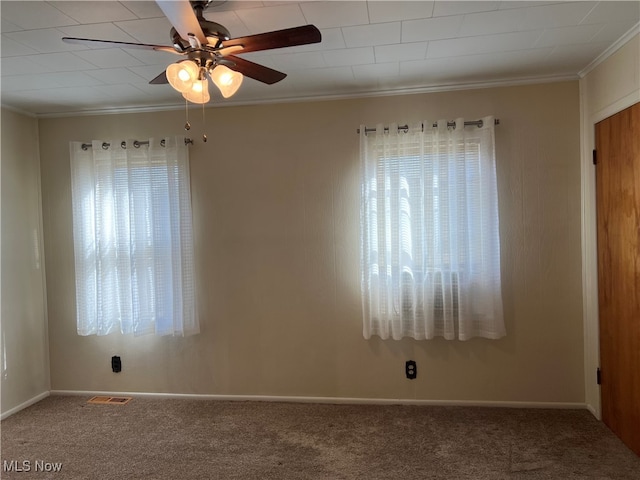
589,245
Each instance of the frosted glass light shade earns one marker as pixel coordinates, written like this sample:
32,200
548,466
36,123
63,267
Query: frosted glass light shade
199,92
182,75
227,80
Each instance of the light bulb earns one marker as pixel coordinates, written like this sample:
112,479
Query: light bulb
227,80
198,93
182,75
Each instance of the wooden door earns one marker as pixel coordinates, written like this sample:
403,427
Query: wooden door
618,212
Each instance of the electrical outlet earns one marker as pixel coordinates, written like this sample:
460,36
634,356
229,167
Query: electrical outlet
116,364
411,369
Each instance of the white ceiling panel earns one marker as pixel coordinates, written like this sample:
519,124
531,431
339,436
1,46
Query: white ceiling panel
150,30
391,69
11,48
376,34
45,40
349,56
613,12
83,96
475,67
487,23
252,88
117,91
143,9
69,79
323,77
31,15
574,35
44,100
576,56
367,47
484,44
6,26
293,61
523,4
266,19
335,14
109,58
231,20
445,8
401,52
231,5
149,72
61,62
95,12
20,65
18,83
610,32
419,68
431,29
558,15
117,75
153,57
392,11
263,57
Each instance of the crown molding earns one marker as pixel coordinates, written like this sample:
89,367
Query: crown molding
449,87
420,90
112,111
18,110
615,46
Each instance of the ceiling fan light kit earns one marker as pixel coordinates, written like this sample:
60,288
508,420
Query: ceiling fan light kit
182,75
227,81
211,52
198,92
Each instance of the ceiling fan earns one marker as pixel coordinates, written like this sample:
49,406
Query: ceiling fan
211,52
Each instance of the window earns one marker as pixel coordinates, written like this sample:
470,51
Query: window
430,246
133,238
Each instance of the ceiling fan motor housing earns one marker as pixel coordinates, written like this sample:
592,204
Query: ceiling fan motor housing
213,29
210,30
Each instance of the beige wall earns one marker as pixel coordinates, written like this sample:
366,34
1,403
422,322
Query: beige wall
276,218
24,360
609,88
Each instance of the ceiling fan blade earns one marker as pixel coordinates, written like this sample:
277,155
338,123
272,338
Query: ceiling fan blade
289,37
254,70
160,79
104,43
183,19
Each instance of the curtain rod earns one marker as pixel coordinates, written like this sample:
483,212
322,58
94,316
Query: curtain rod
477,123
136,144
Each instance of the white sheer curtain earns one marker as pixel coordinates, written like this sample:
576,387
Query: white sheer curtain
430,246
133,238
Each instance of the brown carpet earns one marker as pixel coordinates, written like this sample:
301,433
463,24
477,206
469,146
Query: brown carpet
197,439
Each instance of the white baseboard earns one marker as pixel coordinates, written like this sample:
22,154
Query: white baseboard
593,411
331,400
24,405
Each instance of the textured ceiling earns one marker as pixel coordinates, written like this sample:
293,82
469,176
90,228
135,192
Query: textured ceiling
368,47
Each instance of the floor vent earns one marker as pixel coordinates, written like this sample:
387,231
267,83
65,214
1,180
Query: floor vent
110,400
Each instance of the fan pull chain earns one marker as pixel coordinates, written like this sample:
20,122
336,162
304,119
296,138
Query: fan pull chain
204,135
187,126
